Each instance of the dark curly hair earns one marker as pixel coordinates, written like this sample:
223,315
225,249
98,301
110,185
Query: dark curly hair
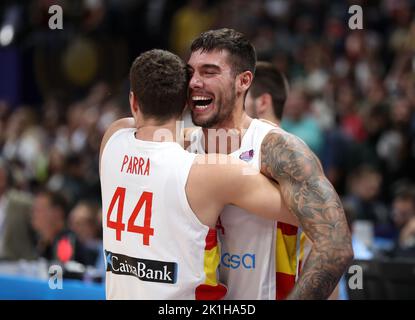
242,55
159,81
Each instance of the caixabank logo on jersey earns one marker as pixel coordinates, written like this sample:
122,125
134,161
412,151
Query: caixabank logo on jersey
143,269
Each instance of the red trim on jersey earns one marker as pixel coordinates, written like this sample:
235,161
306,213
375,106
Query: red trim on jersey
214,290
206,292
287,229
219,226
211,239
284,283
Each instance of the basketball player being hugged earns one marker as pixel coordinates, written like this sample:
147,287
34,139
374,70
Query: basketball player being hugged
222,67
265,100
161,203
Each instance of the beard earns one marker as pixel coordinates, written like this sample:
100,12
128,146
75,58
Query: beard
223,111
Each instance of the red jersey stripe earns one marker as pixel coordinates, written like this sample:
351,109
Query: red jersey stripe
285,283
287,229
206,292
211,239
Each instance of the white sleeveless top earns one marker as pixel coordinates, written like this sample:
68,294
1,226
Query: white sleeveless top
154,244
248,242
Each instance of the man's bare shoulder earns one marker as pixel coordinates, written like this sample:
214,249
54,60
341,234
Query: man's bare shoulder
279,136
114,127
122,123
285,155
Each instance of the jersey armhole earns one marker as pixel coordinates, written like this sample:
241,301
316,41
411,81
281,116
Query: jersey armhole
187,209
268,122
113,136
262,137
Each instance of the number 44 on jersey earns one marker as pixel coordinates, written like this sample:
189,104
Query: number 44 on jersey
146,200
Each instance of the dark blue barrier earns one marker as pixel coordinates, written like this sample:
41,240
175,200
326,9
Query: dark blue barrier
21,288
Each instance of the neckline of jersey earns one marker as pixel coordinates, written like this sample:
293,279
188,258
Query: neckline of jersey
150,144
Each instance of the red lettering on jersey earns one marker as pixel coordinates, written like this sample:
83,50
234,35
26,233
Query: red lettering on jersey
130,166
136,165
124,162
219,226
140,166
147,170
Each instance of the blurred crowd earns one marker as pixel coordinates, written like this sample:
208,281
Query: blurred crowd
352,100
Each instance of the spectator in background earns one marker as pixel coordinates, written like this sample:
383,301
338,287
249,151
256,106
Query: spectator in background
16,235
73,185
24,142
403,215
350,119
396,146
84,223
267,95
337,157
54,241
362,199
299,121
377,121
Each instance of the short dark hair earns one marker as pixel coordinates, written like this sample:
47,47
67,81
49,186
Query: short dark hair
268,79
242,52
159,81
56,200
406,192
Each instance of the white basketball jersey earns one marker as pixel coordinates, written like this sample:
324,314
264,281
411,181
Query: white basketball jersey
154,244
248,242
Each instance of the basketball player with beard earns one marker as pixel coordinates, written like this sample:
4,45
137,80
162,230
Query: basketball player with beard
160,203
222,67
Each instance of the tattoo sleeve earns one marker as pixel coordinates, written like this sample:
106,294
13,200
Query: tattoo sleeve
312,198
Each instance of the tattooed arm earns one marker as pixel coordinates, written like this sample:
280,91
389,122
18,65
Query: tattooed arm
311,197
